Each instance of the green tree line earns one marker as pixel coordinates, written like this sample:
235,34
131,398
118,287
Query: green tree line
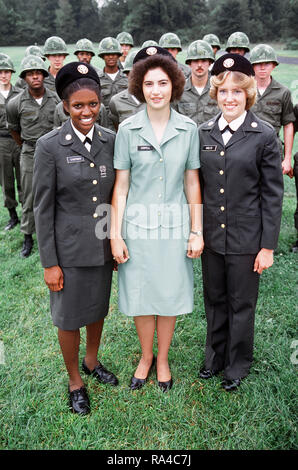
25,23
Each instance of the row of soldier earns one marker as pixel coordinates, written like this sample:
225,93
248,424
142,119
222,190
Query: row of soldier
32,108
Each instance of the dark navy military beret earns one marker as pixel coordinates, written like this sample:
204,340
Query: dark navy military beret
233,63
74,71
150,51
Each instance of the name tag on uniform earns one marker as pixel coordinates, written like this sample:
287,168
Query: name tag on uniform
210,148
145,147
103,171
75,159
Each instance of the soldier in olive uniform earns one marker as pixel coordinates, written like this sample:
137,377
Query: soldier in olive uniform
84,51
55,51
30,115
124,104
213,40
172,43
112,79
126,42
274,103
238,43
195,101
31,50
9,150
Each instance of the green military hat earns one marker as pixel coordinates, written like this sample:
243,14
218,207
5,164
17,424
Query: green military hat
54,45
128,63
263,53
212,39
149,43
199,50
125,38
84,45
33,62
34,50
170,41
238,40
109,45
6,63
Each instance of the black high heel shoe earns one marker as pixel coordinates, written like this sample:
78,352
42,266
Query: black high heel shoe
166,386
135,383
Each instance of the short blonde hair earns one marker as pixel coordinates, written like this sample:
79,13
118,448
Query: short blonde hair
243,81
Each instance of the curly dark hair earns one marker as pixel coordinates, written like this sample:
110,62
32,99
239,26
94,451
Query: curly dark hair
168,65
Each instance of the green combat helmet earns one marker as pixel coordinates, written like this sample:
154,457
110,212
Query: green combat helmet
128,63
54,45
6,63
199,50
84,45
125,38
149,43
33,62
263,53
212,39
109,46
170,41
34,50
238,40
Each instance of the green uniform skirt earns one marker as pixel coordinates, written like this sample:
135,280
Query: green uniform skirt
158,277
84,298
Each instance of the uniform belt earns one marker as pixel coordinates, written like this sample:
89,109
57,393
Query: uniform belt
31,143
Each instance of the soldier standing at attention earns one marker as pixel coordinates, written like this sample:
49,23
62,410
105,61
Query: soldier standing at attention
31,50
195,101
274,103
238,43
9,150
84,51
29,116
126,42
213,40
112,79
124,104
55,51
172,43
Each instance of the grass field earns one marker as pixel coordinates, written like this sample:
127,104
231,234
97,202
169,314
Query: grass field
195,414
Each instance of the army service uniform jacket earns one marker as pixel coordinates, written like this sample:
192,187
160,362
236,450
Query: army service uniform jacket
242,187
200,108
72,190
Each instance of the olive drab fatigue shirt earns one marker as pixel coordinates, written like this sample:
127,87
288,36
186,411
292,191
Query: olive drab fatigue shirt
110,88
30,119
122,106
242,187
275,105
14,91
72,190
200,108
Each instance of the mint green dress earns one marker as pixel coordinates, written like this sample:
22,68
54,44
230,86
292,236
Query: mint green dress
158,277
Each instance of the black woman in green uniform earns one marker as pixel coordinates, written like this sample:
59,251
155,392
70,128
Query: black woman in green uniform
73,182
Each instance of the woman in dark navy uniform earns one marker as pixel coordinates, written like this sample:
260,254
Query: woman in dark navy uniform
242,188
73,182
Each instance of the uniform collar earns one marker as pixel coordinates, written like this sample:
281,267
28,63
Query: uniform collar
81,136
234,125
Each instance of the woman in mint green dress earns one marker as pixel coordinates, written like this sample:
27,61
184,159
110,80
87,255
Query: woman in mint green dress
156,219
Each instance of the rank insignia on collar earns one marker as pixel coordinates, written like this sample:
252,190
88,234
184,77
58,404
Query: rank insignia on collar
210,123
68,137
99,133
254,124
